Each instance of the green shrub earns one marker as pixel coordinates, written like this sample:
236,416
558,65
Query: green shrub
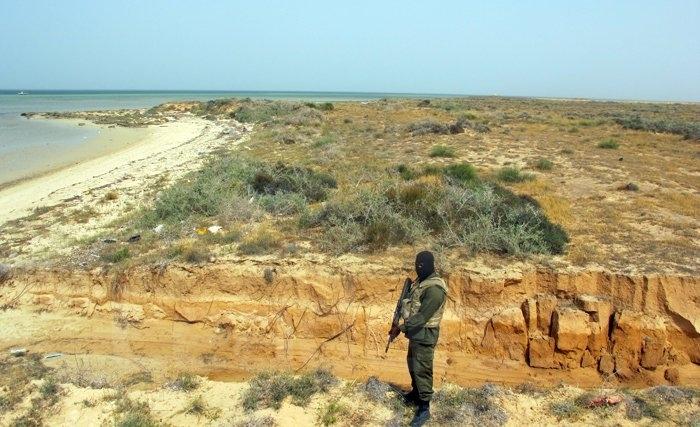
425,127
281,178
269,389
367,221
461,172
544,165
325,106
323,141
204,192
283,203
442,151
283,112
480,217
191,251
609,144
49,389
117,256
513,174
331,413
222,188
406,172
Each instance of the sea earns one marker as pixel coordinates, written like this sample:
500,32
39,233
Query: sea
30,146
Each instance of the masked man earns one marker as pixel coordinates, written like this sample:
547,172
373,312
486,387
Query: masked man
421,312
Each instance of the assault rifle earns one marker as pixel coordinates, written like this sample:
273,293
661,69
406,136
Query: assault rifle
397,311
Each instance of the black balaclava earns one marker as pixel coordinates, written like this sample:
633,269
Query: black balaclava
425,265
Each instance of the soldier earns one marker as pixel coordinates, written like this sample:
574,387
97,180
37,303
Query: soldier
421,313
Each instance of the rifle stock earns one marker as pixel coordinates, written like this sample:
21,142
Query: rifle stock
397,311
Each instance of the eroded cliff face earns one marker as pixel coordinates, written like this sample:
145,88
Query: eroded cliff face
618,326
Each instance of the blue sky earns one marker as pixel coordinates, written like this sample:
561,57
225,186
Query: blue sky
598,49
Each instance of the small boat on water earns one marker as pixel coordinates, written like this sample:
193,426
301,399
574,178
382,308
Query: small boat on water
21,92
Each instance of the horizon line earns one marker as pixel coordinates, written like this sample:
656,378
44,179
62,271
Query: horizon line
15,91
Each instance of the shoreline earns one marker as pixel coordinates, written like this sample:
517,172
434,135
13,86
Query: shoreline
134,148
108,141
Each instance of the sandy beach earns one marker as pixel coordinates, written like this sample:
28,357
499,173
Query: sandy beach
144,158
35,161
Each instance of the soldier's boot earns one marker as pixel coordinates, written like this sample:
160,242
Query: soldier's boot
422,414
411,398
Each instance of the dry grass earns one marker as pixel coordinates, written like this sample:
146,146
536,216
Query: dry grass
687,204
362,144
556,207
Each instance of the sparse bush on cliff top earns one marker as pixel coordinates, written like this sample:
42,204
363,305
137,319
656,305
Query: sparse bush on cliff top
283,112
281,178
209,191
262,241
479,218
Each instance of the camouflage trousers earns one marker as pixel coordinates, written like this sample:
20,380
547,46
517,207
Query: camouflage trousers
420,367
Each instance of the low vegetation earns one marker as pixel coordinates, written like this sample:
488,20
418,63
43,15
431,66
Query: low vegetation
442,151
653,404
689,130
258,207
513,174
132,413
30,395
185,381
462,123
609,144
270,389
478,217
382,175
199,407
544,164
458,406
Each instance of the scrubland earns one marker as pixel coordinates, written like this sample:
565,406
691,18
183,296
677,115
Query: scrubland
565,183
286,224
72,393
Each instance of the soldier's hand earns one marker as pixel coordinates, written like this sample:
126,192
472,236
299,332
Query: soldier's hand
394,332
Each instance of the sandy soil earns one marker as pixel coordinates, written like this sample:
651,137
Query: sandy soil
159,155
88,395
